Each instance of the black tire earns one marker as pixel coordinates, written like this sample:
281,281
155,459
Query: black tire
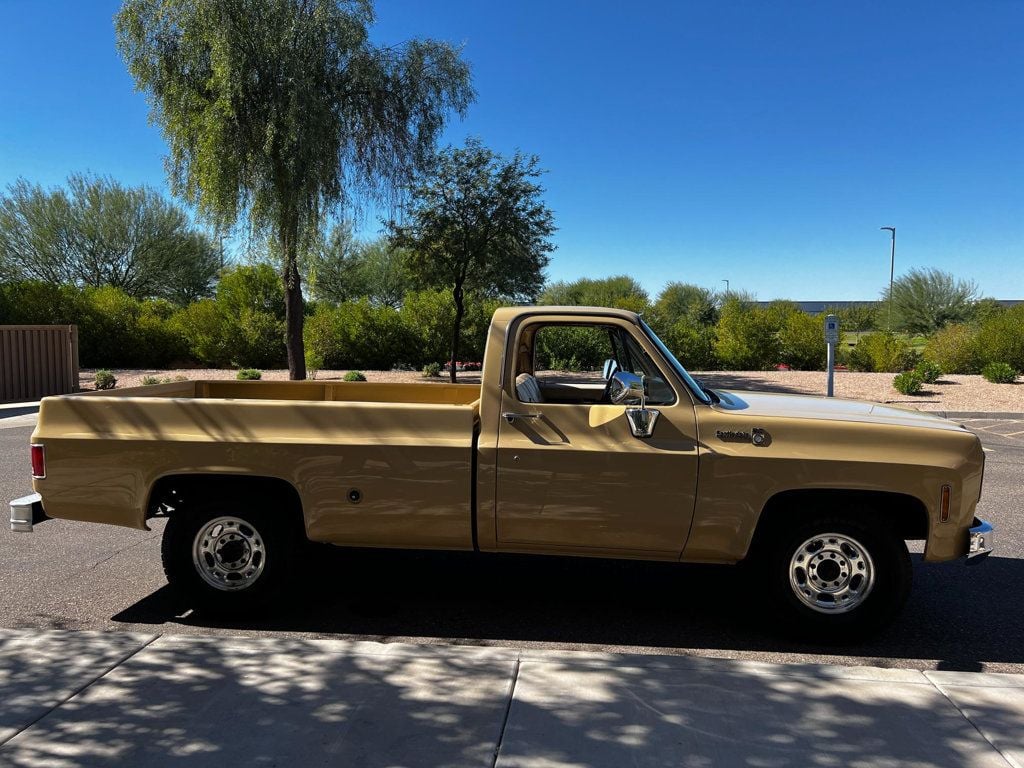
888,563
264,545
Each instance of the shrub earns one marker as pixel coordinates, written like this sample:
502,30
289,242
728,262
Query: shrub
431,370
355,376
105,379
928,371
357,334
206,331
803,347
571,348
999,373
571,364
746,338
954,349
908,383
148,381
693,345
249,374
882,352
1001,338
314,363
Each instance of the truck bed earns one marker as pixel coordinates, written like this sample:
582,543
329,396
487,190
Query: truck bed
407,449
313,391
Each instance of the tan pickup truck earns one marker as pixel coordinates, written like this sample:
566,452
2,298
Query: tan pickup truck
640,461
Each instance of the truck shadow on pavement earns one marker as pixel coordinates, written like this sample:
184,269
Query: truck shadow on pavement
959,616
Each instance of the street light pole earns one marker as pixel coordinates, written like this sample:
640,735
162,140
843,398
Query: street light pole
726,285
892,269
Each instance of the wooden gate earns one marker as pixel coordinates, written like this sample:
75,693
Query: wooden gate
37,360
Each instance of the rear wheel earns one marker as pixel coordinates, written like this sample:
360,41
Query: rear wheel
227,556
839,578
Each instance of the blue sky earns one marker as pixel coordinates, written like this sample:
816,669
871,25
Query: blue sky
764,143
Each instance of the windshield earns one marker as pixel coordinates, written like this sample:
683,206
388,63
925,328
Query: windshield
686,377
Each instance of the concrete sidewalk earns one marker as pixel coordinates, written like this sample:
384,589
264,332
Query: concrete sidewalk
78,698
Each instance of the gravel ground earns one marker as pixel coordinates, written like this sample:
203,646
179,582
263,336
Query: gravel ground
950,393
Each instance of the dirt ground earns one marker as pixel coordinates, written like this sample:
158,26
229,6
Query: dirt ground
950,393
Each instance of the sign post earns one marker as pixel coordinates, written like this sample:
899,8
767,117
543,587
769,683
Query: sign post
831,338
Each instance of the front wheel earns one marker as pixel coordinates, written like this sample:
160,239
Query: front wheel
226,557
838,578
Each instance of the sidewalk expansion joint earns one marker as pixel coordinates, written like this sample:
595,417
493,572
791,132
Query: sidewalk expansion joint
508,709
82,688
1009,760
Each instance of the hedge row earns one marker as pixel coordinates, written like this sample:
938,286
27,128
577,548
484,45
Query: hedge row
243,326
968,349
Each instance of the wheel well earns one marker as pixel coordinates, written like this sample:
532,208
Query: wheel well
172,493
907,513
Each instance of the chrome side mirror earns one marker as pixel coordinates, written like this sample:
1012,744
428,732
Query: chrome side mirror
626,388
611,365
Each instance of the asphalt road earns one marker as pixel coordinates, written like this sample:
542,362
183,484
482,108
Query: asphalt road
78,576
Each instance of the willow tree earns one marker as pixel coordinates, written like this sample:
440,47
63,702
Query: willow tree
476,224
284,112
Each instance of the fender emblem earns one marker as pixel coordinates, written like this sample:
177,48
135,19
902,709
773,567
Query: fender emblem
757,436
732,436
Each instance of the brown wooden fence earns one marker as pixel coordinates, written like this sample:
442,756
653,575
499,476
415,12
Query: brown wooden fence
37,360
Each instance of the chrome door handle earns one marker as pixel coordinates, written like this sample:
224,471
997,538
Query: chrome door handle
642,421
510,417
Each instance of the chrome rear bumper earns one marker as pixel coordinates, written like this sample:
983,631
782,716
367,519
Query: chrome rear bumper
26,512
981,541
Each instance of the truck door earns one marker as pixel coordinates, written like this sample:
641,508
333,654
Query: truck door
571,476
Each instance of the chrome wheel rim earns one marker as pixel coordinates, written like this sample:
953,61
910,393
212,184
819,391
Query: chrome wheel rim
831,573
229,554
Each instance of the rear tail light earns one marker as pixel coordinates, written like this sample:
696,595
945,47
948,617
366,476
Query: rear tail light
38,461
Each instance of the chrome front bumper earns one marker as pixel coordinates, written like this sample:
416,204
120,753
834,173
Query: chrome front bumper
26,512
981,541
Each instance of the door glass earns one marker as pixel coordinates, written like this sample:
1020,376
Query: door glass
659,391
568,362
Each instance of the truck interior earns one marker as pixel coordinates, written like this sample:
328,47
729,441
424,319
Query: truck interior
555,363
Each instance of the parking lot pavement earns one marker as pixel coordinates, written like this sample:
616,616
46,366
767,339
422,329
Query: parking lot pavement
1008,429
114,699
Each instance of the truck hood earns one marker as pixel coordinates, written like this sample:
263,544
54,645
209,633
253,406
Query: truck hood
827,408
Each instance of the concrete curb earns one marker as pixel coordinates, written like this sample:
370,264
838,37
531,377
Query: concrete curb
18,409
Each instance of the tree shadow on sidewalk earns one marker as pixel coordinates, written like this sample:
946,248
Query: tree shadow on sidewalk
214,701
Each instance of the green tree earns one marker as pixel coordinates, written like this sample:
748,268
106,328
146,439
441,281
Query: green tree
476,223
856,318
925,300
620,291
683,301
344,269
284,111
97,232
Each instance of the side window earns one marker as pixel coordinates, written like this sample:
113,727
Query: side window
636,360
567,363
